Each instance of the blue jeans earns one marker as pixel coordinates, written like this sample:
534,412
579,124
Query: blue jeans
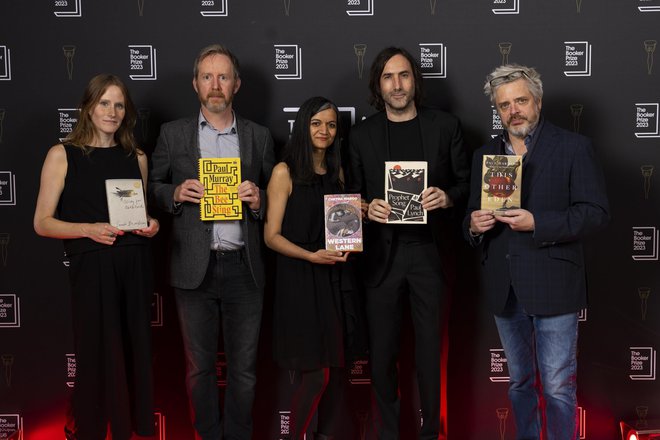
545,346
228,294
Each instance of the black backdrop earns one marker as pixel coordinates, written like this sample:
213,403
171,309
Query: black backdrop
596,58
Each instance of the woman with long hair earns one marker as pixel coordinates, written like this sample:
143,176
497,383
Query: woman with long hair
110,269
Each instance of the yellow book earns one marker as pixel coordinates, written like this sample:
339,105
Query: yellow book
501,182
220,177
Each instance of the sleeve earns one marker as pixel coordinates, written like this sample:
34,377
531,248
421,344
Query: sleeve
160,187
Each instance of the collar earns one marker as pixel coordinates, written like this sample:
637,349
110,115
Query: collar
203,122
530,139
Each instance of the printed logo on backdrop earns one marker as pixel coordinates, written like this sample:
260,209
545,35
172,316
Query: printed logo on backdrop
576,113
506,7
360,49
346,116
65,260
156,310
2,120
160,426
578,5
360,8
11,426
499,370
5,63
69,51
214,8
502,415
359,372
649,48
70,370
7,188
433,60
10,311
582,315
7,364
505,50
646,120
362,418
142,61
68,119
292,376
647,172
645,243
4,247
496,122
642,412
642,363
433,4
140,7
285,425
68,8
221,369
288,61
582,423
643,293
577,61
648,5
287,7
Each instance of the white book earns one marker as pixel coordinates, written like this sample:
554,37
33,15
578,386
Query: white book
126,205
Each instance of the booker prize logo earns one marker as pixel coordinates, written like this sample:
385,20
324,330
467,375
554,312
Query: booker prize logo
360,8
68,119
646,120
285,425
5,63
288,61
214,8
7,188
433,60
499,371
70,370
156,310
68,8
505,6
582,423
4,247
642,363
142,61
645,243
359,372
10,311
11,426
577,61
496,122
346,116
648,5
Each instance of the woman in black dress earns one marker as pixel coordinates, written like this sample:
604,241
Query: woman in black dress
308,312
110,270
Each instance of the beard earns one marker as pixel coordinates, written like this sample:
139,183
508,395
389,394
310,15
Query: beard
216,106
398,104
523,130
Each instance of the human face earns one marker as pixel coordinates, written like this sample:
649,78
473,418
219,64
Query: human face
216,84
397,85
323,128
108,114
517,108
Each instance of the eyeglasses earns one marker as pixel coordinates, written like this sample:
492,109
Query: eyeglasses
509,77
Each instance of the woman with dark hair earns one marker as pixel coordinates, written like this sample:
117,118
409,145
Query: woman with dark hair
110,270
308,315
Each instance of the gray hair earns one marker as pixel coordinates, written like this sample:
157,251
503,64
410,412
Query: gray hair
512,72
216,49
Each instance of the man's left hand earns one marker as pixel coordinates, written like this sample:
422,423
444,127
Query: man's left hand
248,192
517,219
434,198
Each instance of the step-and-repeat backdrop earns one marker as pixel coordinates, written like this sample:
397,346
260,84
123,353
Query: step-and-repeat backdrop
597,62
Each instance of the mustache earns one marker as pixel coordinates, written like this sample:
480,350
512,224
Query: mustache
216,95
517,118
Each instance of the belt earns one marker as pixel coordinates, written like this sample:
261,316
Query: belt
225,253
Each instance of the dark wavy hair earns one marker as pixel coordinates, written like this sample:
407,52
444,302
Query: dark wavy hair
83,133
377,67
298,151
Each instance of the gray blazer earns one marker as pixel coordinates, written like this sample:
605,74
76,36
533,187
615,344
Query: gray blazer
174,160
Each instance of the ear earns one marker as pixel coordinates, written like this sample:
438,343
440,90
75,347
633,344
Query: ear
237,85
194,83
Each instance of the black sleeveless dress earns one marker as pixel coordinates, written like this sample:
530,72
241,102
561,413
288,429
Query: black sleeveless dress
111,294
308,325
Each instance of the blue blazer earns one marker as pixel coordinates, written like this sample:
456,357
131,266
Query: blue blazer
564,188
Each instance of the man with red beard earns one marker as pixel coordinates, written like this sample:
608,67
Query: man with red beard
532,264
216,267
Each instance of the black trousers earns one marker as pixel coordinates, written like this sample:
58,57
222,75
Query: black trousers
415,270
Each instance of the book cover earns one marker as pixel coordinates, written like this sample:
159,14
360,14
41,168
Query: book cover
220,177
502,182
126,206
404,183
343,222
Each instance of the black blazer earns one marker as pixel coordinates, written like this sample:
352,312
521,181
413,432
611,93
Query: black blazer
174,160
448,169
564,188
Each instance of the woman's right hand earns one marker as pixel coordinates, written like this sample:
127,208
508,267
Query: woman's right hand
103,233
324,256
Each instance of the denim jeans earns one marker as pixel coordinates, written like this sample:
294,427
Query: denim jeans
543,346
229,295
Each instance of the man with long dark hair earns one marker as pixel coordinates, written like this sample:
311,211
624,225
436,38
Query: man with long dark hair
406,259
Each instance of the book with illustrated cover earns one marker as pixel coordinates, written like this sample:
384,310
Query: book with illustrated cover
404,183
343,222
501,182
126,206
220,177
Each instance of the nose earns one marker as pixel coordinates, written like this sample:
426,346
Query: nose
396,83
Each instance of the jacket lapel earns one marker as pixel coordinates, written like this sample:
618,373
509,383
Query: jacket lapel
245,143
538,158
